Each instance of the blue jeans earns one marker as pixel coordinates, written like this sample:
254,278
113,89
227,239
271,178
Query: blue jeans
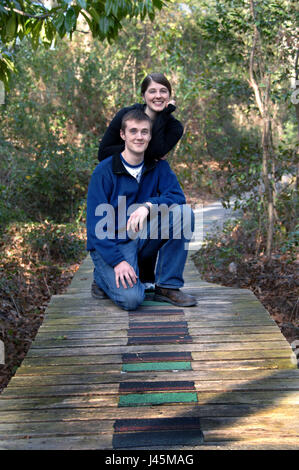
172,248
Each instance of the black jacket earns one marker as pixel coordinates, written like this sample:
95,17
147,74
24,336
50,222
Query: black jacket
166,132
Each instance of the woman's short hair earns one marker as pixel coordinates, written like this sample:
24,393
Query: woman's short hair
155,77
137,115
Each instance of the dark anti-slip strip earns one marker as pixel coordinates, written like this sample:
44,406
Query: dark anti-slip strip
154,439
160,339
155,312
157,331
130,358
130,387
158,324
156,424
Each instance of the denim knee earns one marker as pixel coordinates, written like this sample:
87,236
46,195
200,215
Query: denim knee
130,298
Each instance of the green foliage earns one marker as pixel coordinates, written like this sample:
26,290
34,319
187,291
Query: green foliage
291,243
48,241
52,186
50,127
287,210
44,25
219,248
246,235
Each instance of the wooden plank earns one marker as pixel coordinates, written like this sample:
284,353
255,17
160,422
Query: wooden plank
111,400
215,404
194,320
116,349
202,356
166,337
69,412
105,307
102,377
109,331
86,442
104,441
107,389
198,323
115,365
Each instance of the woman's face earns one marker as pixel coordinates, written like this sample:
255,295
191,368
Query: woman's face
156,96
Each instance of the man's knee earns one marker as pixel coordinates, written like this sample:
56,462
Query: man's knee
131,298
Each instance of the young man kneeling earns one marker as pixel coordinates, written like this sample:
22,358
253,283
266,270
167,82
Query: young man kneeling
136,210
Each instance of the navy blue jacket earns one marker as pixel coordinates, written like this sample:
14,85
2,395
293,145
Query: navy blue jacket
110,181
166,132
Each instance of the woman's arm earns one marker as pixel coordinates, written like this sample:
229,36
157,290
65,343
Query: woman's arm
167,131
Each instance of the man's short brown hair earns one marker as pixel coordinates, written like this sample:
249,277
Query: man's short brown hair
137,115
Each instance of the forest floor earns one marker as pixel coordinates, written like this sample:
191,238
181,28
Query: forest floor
22,307
275,283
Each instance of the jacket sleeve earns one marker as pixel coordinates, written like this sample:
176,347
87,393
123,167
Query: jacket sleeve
167,132
101,218
169,190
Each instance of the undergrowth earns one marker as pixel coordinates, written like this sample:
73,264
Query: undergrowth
37,261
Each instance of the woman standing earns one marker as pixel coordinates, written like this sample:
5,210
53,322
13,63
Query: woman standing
166,131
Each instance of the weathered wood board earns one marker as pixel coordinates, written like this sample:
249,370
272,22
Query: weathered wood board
216,376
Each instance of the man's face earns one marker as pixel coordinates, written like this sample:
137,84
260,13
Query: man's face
136,135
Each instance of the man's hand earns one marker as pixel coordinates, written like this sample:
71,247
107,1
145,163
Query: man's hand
124,272
137,219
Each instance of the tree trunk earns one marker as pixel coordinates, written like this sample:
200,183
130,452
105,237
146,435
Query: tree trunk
297,108
263,102
268,183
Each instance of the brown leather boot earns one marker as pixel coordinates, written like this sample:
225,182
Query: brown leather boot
97,292
174,296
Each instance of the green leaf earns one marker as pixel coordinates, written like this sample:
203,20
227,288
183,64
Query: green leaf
2,9
11,27
70,20
108,7
82,4
158,4
36,34
58,21
95,15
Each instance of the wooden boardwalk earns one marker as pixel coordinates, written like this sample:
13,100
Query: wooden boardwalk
216,376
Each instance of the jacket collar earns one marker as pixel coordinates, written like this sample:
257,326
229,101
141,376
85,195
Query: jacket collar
118,167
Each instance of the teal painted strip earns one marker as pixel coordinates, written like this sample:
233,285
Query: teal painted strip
143,399
157,366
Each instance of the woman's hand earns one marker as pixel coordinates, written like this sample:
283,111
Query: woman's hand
125,273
